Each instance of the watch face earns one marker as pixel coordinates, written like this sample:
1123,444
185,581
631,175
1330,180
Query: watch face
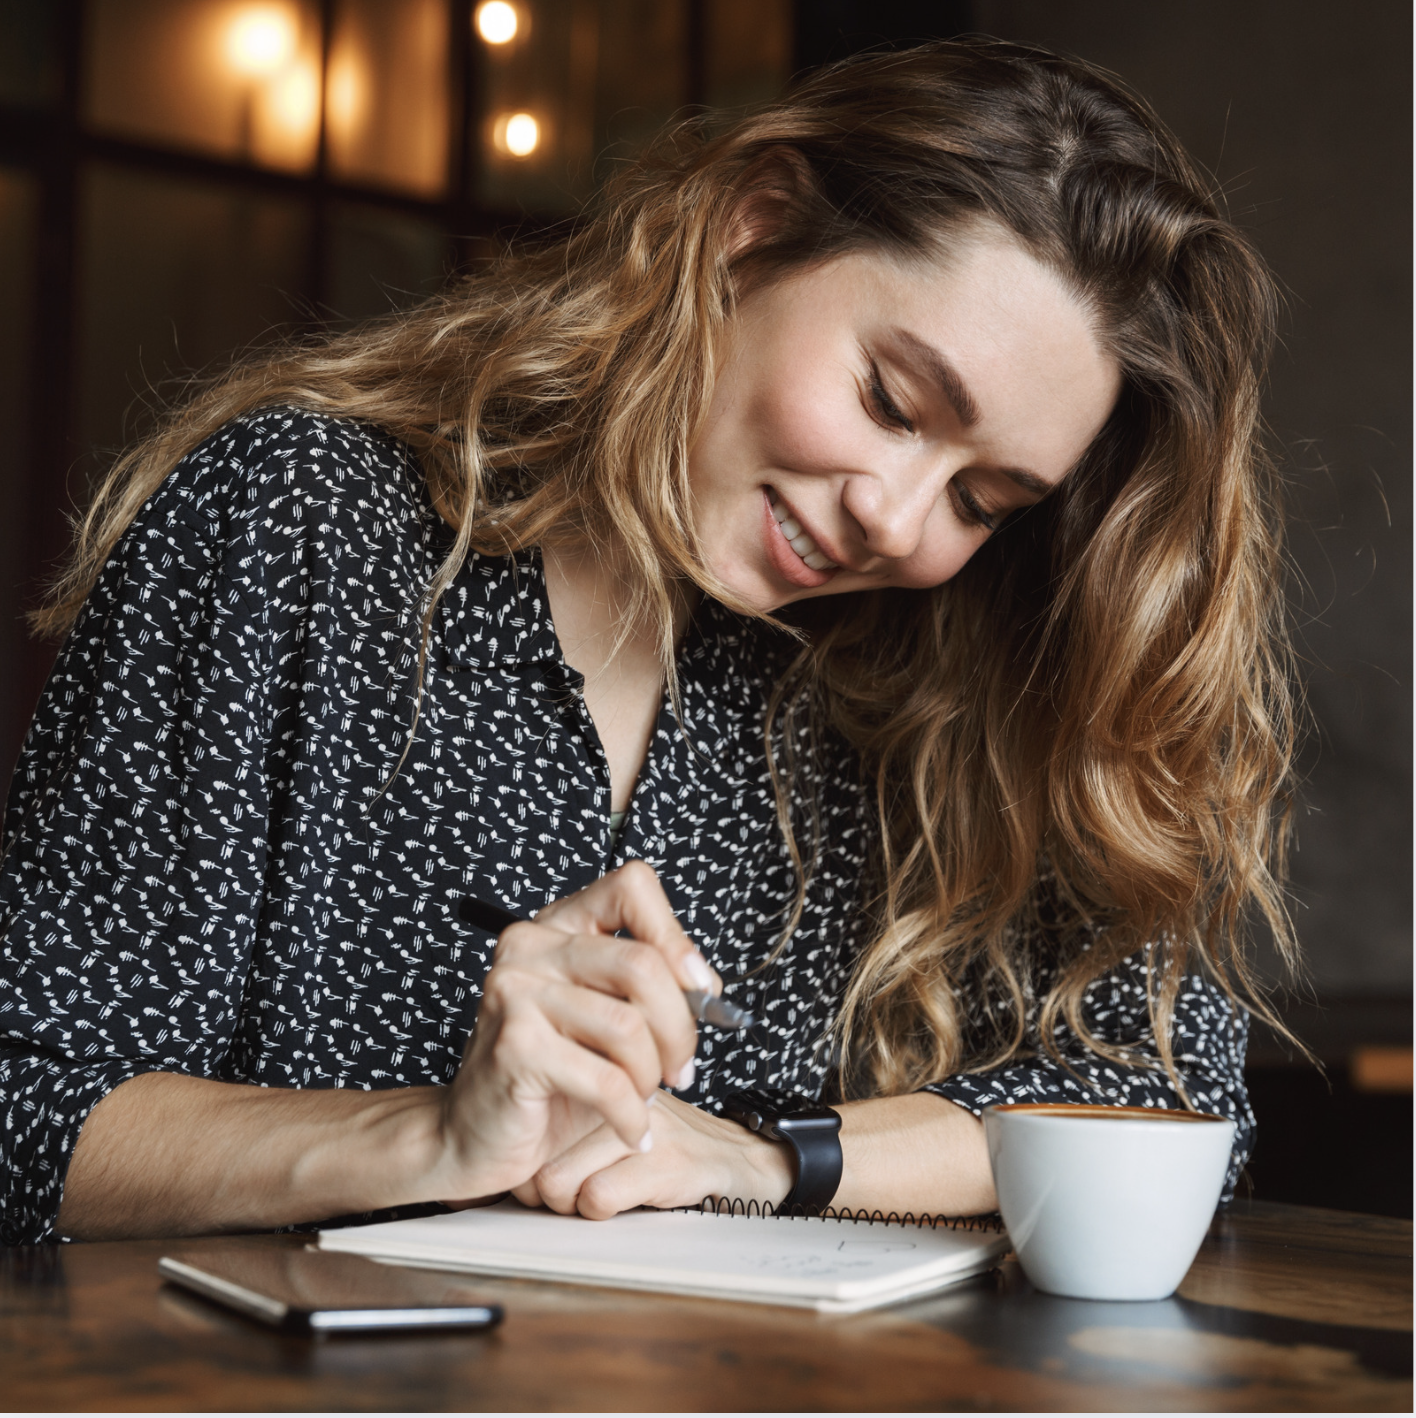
818,1119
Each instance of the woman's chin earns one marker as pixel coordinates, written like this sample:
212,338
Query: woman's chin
757,591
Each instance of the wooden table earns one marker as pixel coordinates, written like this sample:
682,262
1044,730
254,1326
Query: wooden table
1285,1308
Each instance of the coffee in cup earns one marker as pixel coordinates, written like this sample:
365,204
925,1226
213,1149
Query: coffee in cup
1106,1203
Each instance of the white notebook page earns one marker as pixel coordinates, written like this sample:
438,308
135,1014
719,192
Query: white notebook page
824,1264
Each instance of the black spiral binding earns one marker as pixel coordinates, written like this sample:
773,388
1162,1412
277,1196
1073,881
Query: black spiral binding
735,1206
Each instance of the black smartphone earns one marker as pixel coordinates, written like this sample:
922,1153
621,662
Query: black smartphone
307,1291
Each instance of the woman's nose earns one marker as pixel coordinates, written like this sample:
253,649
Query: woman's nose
891,507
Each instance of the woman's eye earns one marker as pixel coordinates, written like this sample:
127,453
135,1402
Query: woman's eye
971,511
886,410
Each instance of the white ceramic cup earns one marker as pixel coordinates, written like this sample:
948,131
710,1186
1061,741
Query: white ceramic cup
1106,1203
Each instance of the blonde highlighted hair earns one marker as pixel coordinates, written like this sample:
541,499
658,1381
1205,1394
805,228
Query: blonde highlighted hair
1089,730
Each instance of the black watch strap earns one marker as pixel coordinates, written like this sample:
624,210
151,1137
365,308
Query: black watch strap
809,1128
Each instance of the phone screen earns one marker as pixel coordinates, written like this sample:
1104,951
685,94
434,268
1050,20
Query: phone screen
322,1292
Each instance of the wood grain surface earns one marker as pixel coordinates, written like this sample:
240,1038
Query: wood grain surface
1286,1309
1329,1267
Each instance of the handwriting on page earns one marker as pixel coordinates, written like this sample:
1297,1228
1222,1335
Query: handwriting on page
810,1267
842,1258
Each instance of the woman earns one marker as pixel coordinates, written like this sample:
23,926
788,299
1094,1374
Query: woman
845,568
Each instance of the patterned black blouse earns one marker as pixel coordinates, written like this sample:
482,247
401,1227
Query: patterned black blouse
212,868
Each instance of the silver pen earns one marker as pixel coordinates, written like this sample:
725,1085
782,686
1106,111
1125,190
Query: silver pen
706,1008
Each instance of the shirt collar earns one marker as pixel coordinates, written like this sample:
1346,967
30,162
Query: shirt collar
498,612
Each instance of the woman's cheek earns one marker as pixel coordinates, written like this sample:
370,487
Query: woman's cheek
941,558
808,430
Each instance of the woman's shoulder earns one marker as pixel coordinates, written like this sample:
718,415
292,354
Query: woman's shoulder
284,492
279,464
279,505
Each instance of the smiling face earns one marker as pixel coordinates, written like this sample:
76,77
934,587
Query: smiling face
875,419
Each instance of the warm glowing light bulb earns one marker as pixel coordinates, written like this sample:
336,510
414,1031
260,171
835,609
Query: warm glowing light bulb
519,134
260,40
496,22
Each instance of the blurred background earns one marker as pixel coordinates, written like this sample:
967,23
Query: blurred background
181,180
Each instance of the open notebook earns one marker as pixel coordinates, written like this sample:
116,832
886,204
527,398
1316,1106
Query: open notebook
836,1264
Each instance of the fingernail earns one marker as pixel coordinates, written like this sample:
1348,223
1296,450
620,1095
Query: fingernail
685,1077
646,1143
698,972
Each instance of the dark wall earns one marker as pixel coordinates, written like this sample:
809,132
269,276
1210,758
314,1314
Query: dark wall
825,30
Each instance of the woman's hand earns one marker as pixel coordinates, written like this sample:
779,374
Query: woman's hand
576,1031
915,1153
695,1155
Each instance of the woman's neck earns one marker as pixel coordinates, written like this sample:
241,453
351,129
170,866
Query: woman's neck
592,607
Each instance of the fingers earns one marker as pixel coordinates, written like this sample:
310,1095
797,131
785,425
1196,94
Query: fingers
631,898
537,1061
607,1032
613,1028
621,1186
637,973
583,1011
695,1155
528,1194
640,1006
557,1185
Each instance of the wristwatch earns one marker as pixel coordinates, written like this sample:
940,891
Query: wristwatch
809,1128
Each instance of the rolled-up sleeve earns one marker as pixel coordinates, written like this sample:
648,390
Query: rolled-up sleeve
135,845
1208,1039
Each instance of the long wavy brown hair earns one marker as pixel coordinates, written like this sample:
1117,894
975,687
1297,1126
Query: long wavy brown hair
1087,733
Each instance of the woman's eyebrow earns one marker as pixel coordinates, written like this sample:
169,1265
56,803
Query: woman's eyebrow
944,375
1029,482
963,403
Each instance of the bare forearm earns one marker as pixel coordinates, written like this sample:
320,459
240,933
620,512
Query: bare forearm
166,1155
915,1153
581,1018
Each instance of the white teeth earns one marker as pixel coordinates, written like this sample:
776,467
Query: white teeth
797,538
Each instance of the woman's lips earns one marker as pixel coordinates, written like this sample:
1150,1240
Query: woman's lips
788,562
